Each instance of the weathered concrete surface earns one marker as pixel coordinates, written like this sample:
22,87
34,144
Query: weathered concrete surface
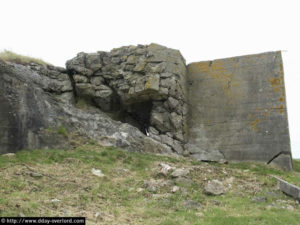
237,110
289,189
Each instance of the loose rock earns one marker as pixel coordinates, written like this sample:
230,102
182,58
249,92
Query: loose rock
165,169
214,187
21,214
175,189
259,199
9,154
190,204
37,175
55,200
180,173
97,172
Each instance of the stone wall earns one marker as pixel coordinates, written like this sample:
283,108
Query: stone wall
140,85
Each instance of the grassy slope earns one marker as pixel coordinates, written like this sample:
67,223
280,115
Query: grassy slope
118,196
20,59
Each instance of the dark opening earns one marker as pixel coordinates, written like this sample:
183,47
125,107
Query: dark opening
138,115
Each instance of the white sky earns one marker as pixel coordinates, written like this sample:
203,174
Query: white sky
56,30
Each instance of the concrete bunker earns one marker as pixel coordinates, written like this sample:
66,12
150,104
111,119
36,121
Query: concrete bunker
232,109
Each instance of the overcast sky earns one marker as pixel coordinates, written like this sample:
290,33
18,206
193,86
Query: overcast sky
56,30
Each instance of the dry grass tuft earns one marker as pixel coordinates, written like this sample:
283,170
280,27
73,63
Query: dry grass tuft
10,56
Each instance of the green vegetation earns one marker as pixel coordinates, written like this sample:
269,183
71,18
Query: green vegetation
121,196
296,165
62,130
294,177
59,130
20,59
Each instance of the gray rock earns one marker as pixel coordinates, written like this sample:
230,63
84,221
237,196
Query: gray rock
85,90
152,185
182,172
172,103
183,181
98,216
77,65
290,207
21,214
152,83
140,67
215,202
9,155
80,79
272,194
155,147
36,175
95,81
175,189
165,169
289,189
259,199
176,121
55,200
158,119
34,115
177,146
97,172
93,61
167,140
190,204
152,130
214,187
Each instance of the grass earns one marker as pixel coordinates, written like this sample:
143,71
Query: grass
59,130
10,56
62,130
294,177
122,198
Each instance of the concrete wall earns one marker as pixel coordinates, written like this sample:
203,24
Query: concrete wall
237,110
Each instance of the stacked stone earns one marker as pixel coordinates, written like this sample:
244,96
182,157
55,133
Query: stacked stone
130,75
55,80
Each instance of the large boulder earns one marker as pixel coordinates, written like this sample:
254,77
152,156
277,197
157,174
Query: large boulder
37,111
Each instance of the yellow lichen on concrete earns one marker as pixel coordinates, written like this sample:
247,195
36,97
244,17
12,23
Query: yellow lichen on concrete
226,79
266,114
253,125
281,109
275,81
276,84
196,68
219,74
